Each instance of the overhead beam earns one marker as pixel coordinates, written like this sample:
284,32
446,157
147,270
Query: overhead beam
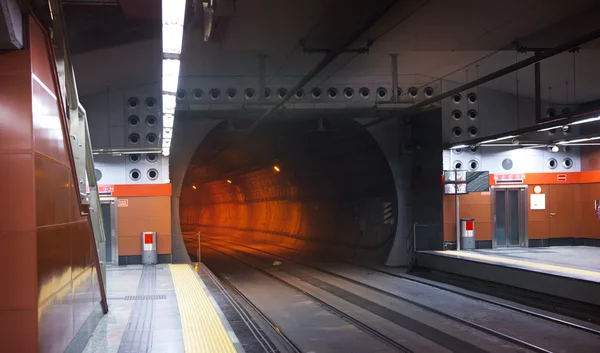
499,73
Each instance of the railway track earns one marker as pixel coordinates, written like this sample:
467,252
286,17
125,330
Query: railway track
434,285
366,328
487,330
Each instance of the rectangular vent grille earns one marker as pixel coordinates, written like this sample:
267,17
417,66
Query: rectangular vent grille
146,297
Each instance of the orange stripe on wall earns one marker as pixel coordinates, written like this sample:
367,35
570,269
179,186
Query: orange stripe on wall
132,190
553,178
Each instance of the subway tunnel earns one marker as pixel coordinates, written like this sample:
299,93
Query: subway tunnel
323,187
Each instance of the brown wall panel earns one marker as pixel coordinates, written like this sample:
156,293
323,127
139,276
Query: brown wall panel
19,331
18,297
17,185
47,129
474,205
144,214
52,192
15,104
18,271
564,205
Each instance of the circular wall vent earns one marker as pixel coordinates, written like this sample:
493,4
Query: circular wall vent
133,120
299,93
428,92
282,92
456,131
151,120
133,138
268,93
181,93
133,102
98,174
317,93
472,114
152,157
456,98
473,164
134,158
472,98
150,102
473,131
249,93
332,92
413,92
552,163
457,165
231,93
364,92
507,164
152,174
151,138
198,93
135,174
456,114
381,92
567,163
348,92
214,94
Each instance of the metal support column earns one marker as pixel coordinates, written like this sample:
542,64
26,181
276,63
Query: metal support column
262,85
538,93
394,58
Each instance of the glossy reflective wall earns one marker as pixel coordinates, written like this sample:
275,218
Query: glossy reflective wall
50,285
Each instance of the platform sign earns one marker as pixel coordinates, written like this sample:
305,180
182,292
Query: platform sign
455,182
561,177
537,201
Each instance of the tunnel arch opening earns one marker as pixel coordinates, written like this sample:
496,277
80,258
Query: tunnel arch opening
334,193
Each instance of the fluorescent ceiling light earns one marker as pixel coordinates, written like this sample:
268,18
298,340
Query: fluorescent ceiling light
458,146
167,133
173,15
168,120
585,121
550,128
170,75
499,139
166,143
165,152
579,140
169,103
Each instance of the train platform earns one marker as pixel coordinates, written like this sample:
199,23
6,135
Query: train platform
159,308
571,272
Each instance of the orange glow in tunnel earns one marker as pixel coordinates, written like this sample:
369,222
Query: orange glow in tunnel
330,200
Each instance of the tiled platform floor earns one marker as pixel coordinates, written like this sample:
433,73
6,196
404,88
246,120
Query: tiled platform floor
144,313
580,262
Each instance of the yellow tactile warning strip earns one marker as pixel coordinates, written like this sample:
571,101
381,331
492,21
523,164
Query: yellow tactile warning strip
534,266
203,331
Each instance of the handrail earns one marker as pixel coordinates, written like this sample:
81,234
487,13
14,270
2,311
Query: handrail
81,148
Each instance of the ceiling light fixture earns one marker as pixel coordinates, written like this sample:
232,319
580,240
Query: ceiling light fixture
578,140
585,121
499,139
458,147
549,128
173,17
276,168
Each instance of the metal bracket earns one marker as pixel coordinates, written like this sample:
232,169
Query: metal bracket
361,50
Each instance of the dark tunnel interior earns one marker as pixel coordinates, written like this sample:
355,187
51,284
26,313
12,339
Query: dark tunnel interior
333,195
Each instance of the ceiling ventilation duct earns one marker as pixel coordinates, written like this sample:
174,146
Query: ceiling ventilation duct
11,25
